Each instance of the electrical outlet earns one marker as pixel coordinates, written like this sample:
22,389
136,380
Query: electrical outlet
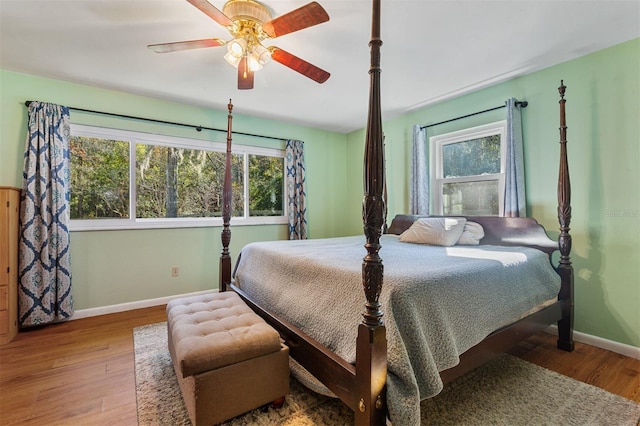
175,271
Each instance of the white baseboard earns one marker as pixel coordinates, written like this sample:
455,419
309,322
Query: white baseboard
112,309
599,342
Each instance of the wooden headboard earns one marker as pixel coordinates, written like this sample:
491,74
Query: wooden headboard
501,231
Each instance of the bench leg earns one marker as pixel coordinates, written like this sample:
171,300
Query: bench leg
278,403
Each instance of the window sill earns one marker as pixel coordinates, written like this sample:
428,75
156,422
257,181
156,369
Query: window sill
124,224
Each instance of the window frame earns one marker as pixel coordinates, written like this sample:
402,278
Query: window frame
132,222
436,143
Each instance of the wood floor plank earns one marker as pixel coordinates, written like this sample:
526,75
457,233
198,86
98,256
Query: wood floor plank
82,372
608,370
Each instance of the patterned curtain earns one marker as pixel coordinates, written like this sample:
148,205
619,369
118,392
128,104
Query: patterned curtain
514,191
419,188
44,293
296,192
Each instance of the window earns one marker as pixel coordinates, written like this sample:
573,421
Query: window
122,180
468,171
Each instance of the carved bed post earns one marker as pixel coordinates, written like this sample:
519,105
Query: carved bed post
565,269
371,350
227,198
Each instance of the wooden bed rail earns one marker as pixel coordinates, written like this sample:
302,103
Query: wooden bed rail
327,367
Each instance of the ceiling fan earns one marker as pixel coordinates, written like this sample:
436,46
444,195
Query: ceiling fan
250,23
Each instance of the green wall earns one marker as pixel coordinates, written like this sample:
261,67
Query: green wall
113,267
603,115
603,106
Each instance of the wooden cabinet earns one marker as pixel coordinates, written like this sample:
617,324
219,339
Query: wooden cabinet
9,205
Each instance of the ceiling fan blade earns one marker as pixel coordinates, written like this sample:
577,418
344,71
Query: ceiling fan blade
185,45
301,18
245,75
300,65
212,12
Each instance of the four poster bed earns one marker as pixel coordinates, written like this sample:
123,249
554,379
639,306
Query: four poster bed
446,309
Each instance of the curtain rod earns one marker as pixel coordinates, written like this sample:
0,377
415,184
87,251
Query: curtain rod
153,120
522,104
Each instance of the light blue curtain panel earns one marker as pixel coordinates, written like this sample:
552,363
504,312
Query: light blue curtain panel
44,291
514,188
296,191
419,190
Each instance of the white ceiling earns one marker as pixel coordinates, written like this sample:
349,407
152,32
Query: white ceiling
432,50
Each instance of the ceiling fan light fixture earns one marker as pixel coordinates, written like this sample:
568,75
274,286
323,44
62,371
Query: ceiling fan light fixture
261,54
253,63
237,47
232,59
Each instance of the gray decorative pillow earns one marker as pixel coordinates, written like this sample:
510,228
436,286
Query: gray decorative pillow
436,231
472,234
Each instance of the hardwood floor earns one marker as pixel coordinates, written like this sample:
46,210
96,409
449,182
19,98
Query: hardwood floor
608,370
74,373
82,372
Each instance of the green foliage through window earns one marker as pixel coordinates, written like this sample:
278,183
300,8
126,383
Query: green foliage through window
169,181
473,157
99,178
177,182
467,167
266,176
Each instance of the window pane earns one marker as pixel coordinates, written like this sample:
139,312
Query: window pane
472,157
266,176
99,178
179,182
471,198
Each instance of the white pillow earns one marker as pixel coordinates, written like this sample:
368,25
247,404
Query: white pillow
472,234
437,231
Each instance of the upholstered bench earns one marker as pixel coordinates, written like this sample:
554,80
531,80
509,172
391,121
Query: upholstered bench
227,359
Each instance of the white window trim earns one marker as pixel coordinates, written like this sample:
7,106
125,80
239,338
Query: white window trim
158,223
438,141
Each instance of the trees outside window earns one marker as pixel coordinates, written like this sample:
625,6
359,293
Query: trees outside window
468,171
100,177
125,179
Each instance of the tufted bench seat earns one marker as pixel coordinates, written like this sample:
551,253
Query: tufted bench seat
227,359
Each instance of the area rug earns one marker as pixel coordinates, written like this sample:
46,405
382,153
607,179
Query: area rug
506,391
